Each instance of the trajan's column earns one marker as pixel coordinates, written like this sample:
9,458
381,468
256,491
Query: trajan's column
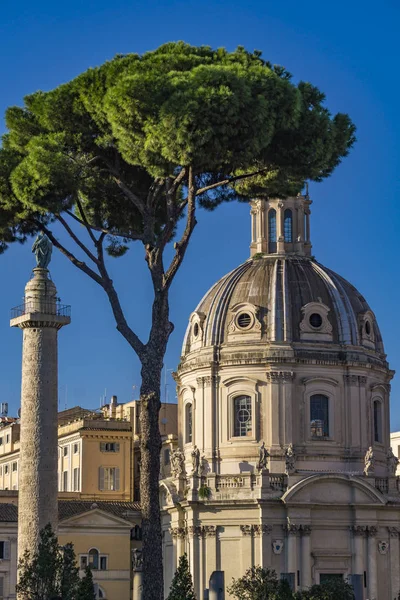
40,318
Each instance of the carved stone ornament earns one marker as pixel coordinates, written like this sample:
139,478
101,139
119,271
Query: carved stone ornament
246,529
260,530
383,547
279,376
372,530
277,546
209,530
252,311
290,528
354,379
290,460
137,559
178,532
392,461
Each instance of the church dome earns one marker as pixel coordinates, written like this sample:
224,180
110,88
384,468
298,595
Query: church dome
283,297
288,299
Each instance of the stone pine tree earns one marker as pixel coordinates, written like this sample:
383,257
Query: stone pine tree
182,583
86,587
128,152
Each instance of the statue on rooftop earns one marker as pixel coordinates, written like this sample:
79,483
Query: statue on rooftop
290,460
177,463
369,462
42,247
196,462
392,462
263,455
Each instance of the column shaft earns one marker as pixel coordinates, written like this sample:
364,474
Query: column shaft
37,501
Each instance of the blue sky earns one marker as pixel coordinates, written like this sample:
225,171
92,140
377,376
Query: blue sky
348,49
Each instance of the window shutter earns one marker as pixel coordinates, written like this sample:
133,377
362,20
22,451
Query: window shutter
6,551
102,446
117,479
101,478
117,447
1,587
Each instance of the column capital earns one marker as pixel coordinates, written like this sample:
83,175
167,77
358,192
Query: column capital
260,530
178,532
194,530
209,530
393,532
305,530
359,530
372,530
246,530
291,528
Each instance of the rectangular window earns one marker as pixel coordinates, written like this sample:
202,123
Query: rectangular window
76,448
65,451
6,469
109,446
1,587
7,438
65,481
14,466
1,441
83,562
1,471
242,416
76,479
5,550
319,415
109,479
103,563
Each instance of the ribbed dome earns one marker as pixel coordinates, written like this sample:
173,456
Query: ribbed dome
286,292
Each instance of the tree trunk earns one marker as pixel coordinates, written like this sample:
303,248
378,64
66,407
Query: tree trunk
150,448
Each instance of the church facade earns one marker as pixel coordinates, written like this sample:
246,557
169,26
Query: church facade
284,456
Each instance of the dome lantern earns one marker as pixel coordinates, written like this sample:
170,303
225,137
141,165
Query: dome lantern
281,226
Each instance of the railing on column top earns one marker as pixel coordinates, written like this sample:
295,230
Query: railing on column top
382,484
47,308
224,482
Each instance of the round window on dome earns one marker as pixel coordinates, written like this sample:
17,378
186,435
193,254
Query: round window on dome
367,327
315,320
196,330
244,320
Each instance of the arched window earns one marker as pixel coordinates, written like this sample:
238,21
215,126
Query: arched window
272,230
189,423
242,416
319,415
287,225
94,558
378,421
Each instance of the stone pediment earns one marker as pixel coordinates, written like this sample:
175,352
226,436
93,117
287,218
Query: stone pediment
333,489
95,518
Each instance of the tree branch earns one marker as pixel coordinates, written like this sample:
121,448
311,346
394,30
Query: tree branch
78,263
108,286
136,201
129,236
229,180
181,246
84,219
76,239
